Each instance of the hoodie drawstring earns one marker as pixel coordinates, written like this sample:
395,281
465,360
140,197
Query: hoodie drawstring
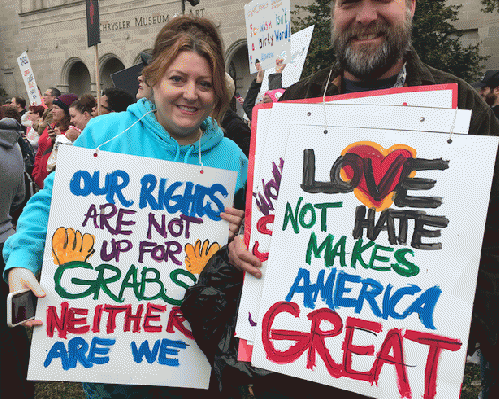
119,134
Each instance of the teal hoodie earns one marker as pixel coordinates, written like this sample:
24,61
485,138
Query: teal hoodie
136,132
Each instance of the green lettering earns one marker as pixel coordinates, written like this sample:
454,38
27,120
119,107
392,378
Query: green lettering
290,217
339,250
375,257
313,217
174,276
131,273
324,207
58,277
103,282
312,247
404,267
358,249
161,293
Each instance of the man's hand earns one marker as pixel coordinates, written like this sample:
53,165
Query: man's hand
235,218
242,259
196,257
19,279
68,245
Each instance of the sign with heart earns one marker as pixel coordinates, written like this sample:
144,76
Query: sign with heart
376,171
364,288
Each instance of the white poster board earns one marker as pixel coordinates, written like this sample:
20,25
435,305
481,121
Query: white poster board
268,32
291,74
146,228
378,301
266,175
29,79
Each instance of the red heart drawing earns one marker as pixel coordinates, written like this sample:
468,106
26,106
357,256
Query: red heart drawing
375,171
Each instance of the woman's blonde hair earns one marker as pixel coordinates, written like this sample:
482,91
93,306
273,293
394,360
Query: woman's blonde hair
199,35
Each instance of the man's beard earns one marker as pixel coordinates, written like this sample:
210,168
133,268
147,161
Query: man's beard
490,98
364,61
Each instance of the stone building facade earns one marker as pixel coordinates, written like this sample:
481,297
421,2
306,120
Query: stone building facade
53,32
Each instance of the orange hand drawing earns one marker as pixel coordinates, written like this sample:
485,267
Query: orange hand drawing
68,246
196,257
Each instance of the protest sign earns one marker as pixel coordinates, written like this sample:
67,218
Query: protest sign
29,79
93,26
265,178
375,250
268,30
126,236
293,69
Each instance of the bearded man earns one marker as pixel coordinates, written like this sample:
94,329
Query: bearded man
372,43
489,90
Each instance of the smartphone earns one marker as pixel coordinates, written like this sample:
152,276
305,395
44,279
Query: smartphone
21,306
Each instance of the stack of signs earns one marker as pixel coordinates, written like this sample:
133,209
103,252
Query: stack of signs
116,268
268,29
364,212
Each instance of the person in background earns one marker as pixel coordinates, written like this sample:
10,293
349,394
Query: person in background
275,82
489,90
113,100
144,90
80,112
48,97
33,116
14,356
59,126
20,104
233,125
187,75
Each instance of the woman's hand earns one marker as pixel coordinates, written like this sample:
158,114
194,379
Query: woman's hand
235,218
20,279
242,259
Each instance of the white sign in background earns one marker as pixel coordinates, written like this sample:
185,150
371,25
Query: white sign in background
448,274
268,32
291,74
122,322
29,79
276,131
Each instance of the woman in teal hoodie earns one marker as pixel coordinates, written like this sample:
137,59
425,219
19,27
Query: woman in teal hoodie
187,75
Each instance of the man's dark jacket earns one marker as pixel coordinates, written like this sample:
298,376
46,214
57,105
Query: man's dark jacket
210,306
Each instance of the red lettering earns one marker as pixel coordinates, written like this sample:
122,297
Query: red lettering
393,341
176,319
263,256
302,339
349,348
53,321
135,318
73,321
261,225
97,318
111,319
436,344
153,317
318,339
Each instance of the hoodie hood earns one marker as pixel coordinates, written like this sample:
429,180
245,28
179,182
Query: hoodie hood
212,134
10,132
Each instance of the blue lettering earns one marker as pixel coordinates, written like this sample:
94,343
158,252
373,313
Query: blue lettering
83,184
139,353
167,348
369,292
76,352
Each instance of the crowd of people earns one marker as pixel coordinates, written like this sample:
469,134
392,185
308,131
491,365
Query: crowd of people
181,112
